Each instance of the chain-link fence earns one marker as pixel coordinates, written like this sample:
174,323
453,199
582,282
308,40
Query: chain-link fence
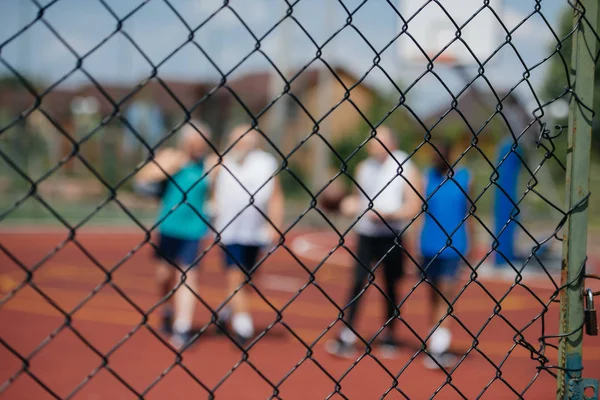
306,175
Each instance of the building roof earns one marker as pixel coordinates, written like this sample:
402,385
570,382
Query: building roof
254,89
167,94
476,107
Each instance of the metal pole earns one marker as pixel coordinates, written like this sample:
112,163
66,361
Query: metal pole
324,82
570,384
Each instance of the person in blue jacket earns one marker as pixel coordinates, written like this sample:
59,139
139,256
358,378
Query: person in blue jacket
446,241
505,197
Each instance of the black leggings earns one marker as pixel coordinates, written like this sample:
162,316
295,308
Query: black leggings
370,252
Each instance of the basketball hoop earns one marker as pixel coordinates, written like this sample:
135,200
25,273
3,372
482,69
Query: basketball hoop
434,26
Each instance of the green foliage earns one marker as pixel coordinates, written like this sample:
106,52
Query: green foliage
289,183
12,82
556,80
555,85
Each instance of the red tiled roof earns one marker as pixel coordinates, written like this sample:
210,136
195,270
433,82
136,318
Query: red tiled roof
252,88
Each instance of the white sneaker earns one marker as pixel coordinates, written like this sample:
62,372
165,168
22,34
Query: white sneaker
181,340
339,348
388,349
440,340
445,361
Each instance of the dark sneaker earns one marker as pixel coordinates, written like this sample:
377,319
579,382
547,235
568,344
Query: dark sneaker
222,328
389,348
240,340
182,340
339,348
166,324
449,360
222,322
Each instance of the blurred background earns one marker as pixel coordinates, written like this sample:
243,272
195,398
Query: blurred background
105,69
90,89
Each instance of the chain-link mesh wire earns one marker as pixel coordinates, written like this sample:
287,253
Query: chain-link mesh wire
538,146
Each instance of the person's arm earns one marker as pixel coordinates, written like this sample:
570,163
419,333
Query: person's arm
411,206
349,206
411,203
211,163
414,231
170,160
412,195
275,209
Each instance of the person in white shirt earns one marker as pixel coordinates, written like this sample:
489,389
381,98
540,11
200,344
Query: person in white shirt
248,209
383,179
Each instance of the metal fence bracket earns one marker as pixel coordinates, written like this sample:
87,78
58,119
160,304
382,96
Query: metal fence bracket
577,389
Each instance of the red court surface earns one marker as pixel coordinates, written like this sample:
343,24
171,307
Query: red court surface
138,357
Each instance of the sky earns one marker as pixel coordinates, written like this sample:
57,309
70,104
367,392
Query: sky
158,30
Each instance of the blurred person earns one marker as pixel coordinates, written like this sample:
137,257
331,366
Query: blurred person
247,203
444,244
509,163
511,157
383,174
181,224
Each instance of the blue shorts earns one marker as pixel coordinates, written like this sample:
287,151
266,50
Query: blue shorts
176,250
440,268
241,256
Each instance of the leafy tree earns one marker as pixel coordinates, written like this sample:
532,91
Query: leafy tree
12,82
556,80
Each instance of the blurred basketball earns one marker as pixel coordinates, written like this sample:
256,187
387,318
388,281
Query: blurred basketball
331,198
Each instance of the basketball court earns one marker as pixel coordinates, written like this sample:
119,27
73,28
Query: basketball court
289,352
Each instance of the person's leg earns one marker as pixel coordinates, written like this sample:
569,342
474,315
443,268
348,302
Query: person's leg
239,260
185,295
165,279
447,287
393,269
362,269
431,275
343,346
232,259
388,250
443,272
444,280
185,300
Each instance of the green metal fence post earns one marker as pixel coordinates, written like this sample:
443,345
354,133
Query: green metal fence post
570,381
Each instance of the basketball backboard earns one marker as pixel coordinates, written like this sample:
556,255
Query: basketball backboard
430,26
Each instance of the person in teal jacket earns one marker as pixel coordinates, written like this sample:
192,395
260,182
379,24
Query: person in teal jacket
182,223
